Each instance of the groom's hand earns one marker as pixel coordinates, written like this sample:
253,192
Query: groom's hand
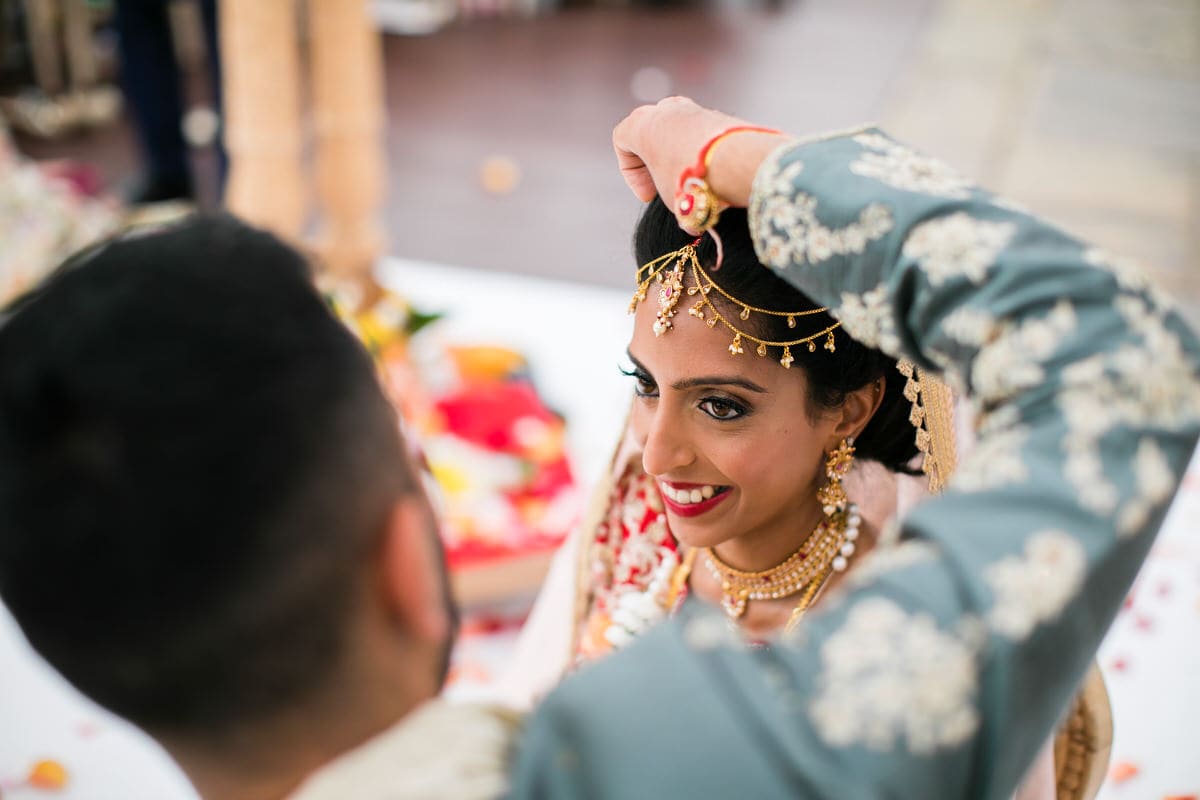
655,144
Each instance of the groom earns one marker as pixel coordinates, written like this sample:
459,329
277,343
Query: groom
209,525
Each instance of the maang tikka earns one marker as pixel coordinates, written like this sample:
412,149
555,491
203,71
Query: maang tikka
670,270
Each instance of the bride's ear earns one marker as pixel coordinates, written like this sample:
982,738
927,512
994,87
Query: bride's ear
860,405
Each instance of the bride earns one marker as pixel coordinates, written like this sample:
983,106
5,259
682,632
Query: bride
750,406
765,453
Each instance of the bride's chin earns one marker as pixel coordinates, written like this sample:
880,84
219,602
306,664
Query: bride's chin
695,534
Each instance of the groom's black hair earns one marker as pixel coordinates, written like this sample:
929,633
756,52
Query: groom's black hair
889,438
196,459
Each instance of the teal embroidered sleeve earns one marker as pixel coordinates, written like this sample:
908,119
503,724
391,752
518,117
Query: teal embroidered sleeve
1085,385
948,660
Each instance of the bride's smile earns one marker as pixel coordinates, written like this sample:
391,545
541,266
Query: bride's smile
692,499
738,469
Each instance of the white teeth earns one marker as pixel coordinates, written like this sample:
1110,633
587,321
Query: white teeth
686,497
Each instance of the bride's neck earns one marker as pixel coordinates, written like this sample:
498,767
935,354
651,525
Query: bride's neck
763,550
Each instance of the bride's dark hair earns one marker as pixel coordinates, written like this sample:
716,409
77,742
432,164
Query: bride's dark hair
889,438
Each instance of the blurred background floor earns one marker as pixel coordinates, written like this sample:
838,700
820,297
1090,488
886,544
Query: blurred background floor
1087,111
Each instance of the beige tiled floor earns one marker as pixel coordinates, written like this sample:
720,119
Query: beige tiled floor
1087,112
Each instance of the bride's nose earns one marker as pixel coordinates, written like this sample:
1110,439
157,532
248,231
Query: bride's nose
665,448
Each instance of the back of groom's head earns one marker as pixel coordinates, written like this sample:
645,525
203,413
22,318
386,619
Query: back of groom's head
196,462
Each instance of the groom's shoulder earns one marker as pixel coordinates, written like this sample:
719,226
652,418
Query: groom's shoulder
663,667
615,727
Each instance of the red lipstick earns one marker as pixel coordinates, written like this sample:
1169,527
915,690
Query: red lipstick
693,509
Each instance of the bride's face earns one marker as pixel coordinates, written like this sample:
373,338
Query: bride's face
729,438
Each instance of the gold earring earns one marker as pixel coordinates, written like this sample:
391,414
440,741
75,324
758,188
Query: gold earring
832,496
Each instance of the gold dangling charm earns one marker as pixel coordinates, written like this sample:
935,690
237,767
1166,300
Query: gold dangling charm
832,496
668,298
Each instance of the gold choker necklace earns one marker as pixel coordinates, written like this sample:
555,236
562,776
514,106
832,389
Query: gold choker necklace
827,549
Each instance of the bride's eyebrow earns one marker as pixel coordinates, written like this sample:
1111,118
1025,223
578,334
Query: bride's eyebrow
704,380
637,364
717,380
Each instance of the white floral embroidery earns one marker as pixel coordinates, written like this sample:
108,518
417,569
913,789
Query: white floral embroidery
854,239
869,319
900,555
820,244
708,632
1087,417
1128,273
970,326
802,238
888,675
876,141
876,220
1154,483
1082,466
994,462
997,419
957,245
901,168
1010,363
776,181
1151,380
1034,588
785,225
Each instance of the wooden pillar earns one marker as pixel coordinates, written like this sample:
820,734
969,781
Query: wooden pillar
348,118
42,27
261,73
77,34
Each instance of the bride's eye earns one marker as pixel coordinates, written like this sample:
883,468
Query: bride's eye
720,409
644,385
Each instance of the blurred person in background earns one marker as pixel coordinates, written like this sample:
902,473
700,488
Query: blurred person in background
153,87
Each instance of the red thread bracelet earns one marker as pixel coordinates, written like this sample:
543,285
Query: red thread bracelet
701,199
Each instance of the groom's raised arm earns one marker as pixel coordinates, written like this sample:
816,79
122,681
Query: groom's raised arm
1085,384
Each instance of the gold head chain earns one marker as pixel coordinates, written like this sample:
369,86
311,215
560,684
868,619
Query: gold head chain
671,291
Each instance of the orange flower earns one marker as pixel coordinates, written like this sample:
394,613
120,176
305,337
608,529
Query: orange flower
1123,771
47,774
